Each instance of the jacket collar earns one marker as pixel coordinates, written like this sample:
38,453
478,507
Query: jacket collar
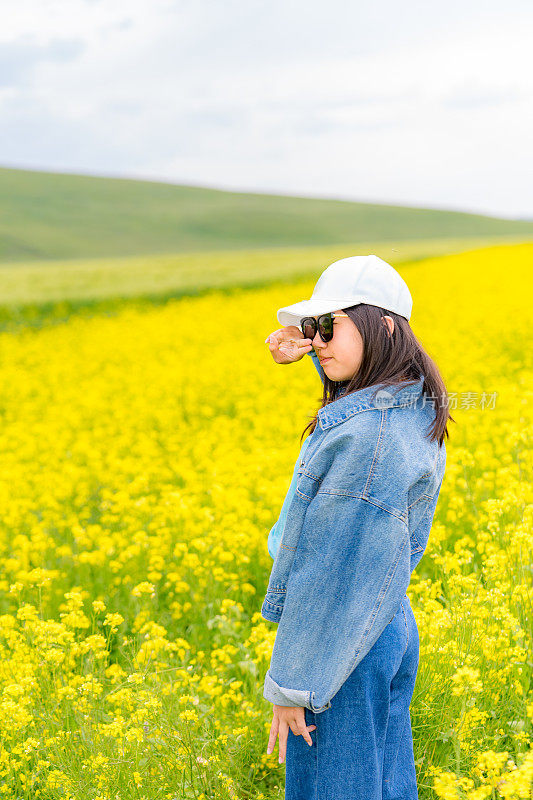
386,396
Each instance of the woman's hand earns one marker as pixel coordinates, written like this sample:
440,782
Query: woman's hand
288,344
285,717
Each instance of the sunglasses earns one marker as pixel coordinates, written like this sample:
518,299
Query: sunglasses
324,324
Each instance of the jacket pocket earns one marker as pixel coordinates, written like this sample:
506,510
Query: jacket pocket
272,607
416,547
420,516
416,513
306,484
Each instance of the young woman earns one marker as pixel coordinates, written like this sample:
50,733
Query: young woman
353,527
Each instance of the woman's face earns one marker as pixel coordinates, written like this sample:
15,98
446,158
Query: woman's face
341,357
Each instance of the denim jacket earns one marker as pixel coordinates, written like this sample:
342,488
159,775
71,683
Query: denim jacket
356,527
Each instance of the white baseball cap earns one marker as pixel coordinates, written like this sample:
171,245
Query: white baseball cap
348,282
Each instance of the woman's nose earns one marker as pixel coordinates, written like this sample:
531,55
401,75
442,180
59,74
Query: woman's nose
317,340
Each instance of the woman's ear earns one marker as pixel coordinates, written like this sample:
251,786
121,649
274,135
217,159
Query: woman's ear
390,323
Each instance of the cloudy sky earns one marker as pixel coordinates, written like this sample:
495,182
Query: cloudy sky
416,103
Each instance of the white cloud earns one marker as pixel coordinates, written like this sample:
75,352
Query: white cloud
408,104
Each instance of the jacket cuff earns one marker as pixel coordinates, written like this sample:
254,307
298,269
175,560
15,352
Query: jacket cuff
284,697
281,696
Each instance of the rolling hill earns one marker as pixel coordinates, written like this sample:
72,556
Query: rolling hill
47,216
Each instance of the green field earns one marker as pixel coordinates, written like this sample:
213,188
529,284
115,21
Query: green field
47,216
34,294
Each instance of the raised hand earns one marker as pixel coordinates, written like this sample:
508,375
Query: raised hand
288,344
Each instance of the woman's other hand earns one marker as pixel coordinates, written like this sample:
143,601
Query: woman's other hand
288,344
285,717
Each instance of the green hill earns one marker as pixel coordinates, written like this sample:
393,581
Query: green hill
45,215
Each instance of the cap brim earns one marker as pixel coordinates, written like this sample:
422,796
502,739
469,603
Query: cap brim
291,315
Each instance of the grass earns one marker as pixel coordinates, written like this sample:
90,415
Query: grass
37,293
47,216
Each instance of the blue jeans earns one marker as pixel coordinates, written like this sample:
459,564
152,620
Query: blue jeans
363,745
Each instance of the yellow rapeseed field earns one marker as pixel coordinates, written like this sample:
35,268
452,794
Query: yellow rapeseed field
145,456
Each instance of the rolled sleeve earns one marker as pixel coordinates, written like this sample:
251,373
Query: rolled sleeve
284,697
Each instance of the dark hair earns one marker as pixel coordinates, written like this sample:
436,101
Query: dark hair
391,360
